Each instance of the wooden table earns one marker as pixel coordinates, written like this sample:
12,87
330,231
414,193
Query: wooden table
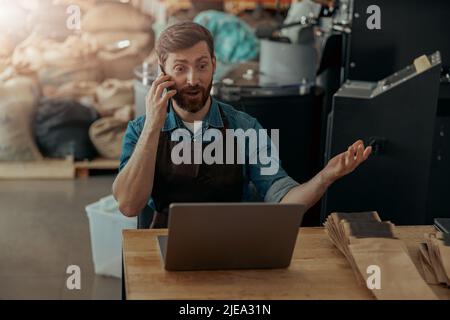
317,271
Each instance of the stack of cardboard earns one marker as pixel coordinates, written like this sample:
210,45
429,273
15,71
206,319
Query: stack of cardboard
345,228
435,254
378,258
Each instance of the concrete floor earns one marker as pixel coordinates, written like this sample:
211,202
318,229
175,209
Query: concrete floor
44,229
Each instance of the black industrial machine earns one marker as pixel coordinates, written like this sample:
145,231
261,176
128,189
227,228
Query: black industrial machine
396,117
439,186
408,29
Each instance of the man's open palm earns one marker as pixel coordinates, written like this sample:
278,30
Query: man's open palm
347,161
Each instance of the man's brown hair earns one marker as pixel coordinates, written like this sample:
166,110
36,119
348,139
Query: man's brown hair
181,36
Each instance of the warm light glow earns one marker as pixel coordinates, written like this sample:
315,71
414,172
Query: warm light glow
11,15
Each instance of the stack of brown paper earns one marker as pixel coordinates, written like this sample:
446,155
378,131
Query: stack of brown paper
342,228
368,242
435,258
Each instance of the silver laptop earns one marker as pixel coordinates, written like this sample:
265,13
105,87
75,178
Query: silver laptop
219,236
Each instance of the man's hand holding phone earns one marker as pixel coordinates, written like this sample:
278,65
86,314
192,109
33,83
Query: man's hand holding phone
157,99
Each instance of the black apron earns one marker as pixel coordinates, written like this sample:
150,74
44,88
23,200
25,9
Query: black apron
192,182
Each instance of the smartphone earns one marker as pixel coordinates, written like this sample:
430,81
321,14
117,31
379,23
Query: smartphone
161,71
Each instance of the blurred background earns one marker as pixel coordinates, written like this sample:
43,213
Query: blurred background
73,73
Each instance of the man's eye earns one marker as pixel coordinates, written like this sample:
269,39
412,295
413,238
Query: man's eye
178,69
203,66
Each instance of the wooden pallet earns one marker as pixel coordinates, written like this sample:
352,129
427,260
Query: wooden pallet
82,168
54,168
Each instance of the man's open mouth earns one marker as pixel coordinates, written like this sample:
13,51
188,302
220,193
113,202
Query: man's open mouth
192,93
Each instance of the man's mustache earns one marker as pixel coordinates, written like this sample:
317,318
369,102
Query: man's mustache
189,88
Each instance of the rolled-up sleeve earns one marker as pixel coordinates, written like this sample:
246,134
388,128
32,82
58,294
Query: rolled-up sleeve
279,189
271,187
128,144
130,139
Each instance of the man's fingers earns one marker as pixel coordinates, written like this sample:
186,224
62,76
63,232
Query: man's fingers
351,156
359,153
168,95
357,143
354,160
160,79
162,86
350,159
367,152
348,155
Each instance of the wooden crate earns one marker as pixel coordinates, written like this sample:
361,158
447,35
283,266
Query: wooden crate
54,168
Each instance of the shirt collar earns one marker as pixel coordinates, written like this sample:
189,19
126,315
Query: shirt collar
213,118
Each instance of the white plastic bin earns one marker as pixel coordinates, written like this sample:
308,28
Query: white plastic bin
106,223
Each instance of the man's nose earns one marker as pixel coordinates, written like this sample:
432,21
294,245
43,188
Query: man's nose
192,78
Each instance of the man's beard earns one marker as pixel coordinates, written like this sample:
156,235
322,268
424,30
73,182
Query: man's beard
192,103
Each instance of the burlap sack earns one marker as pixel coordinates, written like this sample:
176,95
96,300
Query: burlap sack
18,101
61,129
7,45
4,63
52,77
120,63
37,53
6,72
105,40
49,20
113,94
106,134
72,50
83,4
74,89
81,91
27,57
125,113
115,17
74,60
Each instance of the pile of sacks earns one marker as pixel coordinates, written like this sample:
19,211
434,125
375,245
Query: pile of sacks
18,103
114,39
76,81
124,37
113,103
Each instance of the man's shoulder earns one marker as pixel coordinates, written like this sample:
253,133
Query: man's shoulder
237,118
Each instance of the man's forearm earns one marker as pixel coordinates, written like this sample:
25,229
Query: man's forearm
133,185
308,193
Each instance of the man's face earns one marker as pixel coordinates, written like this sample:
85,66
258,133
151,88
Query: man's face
192,70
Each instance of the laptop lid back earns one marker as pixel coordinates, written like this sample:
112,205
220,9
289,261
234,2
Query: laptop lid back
212,236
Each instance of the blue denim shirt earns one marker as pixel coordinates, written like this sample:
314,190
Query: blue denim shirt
257,187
